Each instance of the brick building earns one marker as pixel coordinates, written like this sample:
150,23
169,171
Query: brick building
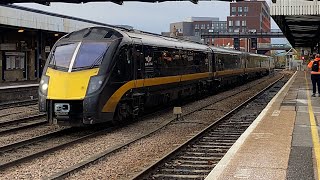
249,16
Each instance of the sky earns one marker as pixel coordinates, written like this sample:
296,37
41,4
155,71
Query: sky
151,17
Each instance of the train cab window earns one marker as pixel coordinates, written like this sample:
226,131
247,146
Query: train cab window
90,55
62,55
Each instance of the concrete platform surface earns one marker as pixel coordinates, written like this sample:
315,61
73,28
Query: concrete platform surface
282,143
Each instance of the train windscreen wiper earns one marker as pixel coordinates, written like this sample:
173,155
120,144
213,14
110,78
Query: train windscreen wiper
53,61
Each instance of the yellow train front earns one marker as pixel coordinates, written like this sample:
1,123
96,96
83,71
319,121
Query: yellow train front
77,69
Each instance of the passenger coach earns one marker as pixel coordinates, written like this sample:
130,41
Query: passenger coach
104,74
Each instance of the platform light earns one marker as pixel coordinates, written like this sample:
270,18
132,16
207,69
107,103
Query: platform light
56,35
21,30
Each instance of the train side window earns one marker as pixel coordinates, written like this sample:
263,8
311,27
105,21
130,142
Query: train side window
220,62
184,62
158,63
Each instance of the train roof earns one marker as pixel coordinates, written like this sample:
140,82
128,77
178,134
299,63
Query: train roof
225,51
258,55
151,39
139,37
162,41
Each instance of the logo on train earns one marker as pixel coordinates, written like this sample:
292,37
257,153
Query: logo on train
148,61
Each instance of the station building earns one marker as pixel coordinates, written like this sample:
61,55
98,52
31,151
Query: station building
27,36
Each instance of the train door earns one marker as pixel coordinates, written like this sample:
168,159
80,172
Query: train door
138,71
246,59
211,62
138,99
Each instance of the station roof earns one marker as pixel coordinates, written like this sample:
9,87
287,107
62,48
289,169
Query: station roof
47,2
299,21
22,17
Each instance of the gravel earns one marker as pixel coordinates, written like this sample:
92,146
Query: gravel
18,112
139,155
21,112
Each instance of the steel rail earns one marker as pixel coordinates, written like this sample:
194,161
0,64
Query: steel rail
47,150
7,105
21,120
29,125
23,123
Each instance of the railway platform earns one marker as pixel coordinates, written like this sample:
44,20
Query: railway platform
283,141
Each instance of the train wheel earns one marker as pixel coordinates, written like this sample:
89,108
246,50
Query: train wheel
122,114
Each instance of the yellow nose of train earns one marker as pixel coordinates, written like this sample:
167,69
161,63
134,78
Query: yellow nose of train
69,85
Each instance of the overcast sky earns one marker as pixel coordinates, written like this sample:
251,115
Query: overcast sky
152,17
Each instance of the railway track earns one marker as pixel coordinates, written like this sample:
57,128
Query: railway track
22,123
7,105
199,155
23,151
94,159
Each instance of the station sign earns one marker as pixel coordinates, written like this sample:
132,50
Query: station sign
8,47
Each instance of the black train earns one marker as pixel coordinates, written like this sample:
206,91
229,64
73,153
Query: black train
104,74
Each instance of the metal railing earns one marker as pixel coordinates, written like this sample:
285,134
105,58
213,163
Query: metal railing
274,33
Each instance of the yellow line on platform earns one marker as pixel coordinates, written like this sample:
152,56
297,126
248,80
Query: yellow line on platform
314,129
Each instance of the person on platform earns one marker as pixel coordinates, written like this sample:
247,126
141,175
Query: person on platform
315,74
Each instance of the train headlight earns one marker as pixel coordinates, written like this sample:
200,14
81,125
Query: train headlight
43,87
95,83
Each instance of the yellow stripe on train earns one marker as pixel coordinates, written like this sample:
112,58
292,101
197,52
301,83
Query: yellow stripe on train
111,104
69,85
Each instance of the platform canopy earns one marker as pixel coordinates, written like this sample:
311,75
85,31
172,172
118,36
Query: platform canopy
299,20
47,2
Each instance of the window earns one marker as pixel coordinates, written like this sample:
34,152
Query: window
244,29
90,54
244,23
240,9
87,55
234,9
196,26
245,9
237,23
15,60
230,23
62,55
202,26
208,26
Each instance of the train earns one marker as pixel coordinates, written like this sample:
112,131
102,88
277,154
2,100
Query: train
102,74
